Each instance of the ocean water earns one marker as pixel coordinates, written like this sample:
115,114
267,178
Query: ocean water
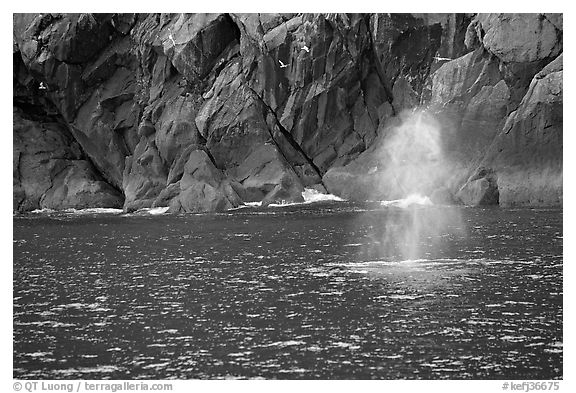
315,291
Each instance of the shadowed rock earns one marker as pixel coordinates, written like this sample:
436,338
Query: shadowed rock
203,187
480,189
49,170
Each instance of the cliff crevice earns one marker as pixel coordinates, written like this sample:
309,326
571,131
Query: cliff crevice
202,112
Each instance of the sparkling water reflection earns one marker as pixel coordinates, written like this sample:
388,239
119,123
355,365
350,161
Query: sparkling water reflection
286,293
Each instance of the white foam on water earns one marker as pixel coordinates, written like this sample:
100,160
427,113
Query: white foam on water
150,211
158,210
98,210
286,204
410,200
43,211
311,195
92,210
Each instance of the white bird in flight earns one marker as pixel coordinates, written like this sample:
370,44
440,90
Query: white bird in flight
306,48
282,65
170,37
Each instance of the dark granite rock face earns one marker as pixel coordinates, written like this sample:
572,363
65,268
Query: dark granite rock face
203,187
50,171
201,112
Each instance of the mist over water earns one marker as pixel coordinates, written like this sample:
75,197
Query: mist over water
413,158
414,166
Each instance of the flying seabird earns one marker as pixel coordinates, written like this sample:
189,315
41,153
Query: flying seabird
306,48
170,37
282,65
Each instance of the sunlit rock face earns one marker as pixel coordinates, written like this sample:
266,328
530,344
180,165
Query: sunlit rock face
268,105
527,154
498,108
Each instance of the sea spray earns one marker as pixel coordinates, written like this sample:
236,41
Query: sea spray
412,199
309,195
412,156
413,166
415,231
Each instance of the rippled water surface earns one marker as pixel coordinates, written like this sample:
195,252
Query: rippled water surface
295,292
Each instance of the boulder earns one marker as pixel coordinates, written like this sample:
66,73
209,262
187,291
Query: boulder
50,170
203,187
352,183
79,187
193,42
261,172
524,43
144,176
288,191
521,38
480,189
527,153
175,128
166,195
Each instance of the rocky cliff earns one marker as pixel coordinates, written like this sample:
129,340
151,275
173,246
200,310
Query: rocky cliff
203,112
